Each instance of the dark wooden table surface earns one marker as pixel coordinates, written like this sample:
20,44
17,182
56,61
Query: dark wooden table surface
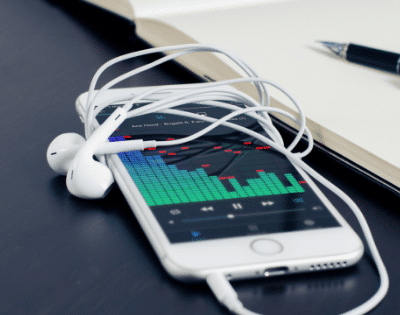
63,255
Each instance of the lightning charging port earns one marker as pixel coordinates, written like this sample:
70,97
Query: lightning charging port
277,271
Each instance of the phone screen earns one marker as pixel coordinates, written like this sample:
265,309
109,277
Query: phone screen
225,184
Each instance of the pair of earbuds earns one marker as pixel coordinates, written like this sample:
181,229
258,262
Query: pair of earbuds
70,154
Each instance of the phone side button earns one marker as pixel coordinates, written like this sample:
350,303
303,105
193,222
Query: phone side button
265,246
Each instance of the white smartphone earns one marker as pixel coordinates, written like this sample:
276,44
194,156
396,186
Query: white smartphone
224,203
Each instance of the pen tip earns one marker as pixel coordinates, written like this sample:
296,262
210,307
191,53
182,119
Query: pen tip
337,48
327,44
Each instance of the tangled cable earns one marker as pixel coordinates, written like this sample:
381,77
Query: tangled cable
211,94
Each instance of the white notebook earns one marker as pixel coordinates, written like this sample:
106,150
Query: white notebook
353,111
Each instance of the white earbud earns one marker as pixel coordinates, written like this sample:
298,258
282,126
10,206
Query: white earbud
62,151
86,178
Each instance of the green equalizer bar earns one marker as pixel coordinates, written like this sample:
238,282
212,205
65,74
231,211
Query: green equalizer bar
162,184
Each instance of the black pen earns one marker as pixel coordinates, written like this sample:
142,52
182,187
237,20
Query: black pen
366,56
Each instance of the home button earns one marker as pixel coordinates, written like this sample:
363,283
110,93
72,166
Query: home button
265,246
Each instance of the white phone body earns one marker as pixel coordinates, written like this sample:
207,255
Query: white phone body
243,257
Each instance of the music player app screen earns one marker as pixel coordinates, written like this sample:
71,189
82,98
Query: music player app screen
225,184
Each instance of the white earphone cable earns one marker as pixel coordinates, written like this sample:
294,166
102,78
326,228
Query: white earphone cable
209,94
